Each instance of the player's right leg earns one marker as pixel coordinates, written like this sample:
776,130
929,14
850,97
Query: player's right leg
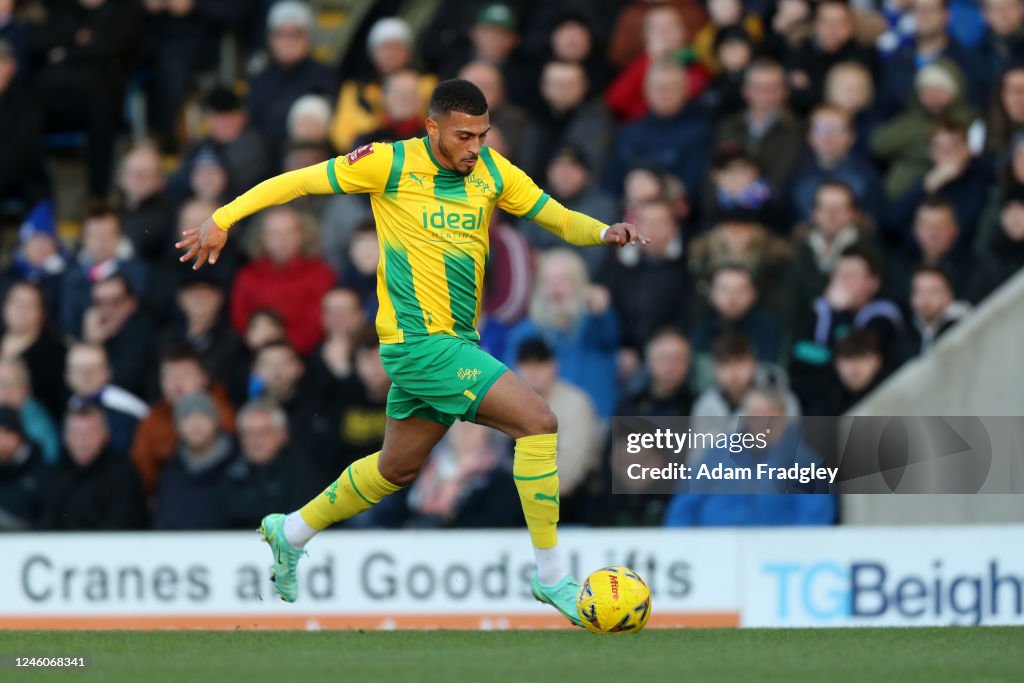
363,484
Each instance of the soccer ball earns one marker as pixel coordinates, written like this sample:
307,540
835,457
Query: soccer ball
614,600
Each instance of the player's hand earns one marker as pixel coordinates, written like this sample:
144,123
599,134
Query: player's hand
622,234
202,244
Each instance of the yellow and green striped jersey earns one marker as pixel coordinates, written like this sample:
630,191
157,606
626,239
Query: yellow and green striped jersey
432,225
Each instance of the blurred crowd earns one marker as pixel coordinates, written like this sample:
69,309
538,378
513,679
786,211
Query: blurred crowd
828,187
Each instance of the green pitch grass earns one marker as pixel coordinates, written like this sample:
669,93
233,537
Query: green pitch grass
930,655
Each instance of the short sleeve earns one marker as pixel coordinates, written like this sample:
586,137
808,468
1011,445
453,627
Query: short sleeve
364,170
520,196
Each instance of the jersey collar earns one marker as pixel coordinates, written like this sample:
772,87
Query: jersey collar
430,153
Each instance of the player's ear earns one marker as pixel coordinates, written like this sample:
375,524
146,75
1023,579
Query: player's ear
431,125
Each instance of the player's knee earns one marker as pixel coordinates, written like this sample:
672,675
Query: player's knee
399,473
544,422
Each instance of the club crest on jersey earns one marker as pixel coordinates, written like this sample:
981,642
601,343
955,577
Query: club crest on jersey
360,152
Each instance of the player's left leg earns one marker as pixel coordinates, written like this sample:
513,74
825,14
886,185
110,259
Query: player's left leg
363,484
512,407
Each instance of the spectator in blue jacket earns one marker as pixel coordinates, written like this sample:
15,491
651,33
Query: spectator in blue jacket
577,322
675,134
759,501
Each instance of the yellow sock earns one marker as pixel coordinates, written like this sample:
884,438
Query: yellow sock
359,488
536,476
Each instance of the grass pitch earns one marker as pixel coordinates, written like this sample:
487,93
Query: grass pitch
930,655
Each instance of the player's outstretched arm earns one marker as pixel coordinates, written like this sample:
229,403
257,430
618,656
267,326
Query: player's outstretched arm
204,243
582,230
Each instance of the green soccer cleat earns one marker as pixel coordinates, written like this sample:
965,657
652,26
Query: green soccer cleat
286,557
561,596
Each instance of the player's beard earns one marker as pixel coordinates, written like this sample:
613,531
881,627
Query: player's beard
450,157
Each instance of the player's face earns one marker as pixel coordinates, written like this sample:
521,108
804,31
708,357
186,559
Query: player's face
459,138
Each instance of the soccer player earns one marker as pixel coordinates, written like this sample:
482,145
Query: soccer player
432,200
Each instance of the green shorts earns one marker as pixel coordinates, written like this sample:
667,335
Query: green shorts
438,377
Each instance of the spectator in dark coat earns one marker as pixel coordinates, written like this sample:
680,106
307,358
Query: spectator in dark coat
956,176
672,117
267,475
935,236
88,377
514,122
1003,42
277,374
115,321
832,40
932,40
734,51
849,303
24,476
95,487
734,308
934,309
99,258
181,375
835,224
859,369
568,118
291,73
765,129
87,50
23,177
28,335
352,421
641,279
147,213
831,156
1004,257
662,389
570,180
187,496
182,41
232,137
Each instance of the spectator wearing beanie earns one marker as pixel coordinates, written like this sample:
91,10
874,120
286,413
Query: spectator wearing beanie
187,493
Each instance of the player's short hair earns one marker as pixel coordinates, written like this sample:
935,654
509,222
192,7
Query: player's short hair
731,346
457,95
857,344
